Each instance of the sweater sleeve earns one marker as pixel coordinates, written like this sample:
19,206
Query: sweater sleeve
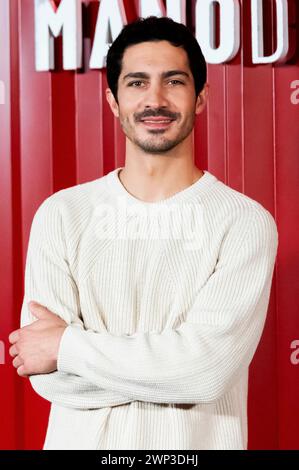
49,282
206,355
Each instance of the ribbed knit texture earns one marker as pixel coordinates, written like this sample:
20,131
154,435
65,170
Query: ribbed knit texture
165,303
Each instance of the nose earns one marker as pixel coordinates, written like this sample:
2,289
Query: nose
155,96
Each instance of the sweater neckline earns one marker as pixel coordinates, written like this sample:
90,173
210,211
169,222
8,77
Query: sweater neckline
198,188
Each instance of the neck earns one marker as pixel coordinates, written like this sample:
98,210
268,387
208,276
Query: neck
155,177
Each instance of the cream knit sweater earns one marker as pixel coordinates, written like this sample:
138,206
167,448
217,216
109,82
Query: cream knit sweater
165,304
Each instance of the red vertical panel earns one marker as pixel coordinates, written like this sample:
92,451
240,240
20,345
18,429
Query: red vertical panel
258,183
258,161
107,127
216,121
36,181
200,141
287,197
10,242
89,115
119,145
63,114
234,123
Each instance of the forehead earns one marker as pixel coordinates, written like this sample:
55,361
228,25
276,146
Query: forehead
154,54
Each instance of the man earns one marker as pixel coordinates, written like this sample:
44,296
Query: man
153,281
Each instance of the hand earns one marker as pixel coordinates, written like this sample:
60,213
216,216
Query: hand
35,347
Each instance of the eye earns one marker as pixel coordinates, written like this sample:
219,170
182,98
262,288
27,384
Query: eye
133,83
178,81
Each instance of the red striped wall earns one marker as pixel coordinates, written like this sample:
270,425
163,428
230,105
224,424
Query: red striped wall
56,130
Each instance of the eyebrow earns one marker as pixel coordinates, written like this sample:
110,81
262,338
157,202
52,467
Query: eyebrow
169,73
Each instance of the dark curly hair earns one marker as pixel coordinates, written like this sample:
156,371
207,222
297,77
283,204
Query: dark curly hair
154,28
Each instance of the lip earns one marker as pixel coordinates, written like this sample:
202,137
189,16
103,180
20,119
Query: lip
157,124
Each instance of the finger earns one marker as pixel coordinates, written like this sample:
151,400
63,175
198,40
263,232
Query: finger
13,350
39,311
17,362
22,371
14,336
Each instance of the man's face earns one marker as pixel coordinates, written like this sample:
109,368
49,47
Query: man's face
156,84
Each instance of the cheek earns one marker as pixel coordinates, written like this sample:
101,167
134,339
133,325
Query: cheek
127,120
127,112
184,106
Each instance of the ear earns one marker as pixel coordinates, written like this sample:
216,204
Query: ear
202,99
112,102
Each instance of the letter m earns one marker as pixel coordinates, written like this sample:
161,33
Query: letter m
49,23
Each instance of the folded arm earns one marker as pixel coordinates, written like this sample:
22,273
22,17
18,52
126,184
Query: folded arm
206,355
49,282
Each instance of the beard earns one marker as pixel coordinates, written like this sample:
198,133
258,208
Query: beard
157,143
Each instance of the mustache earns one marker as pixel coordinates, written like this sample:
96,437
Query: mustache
155,113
